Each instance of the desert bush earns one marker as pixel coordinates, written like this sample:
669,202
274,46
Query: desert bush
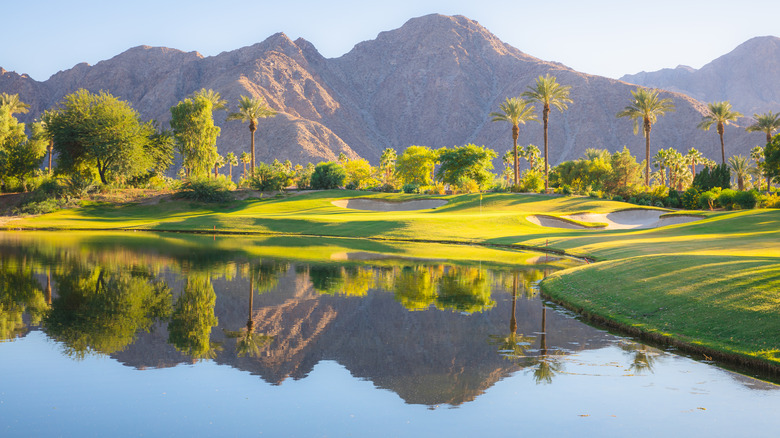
747,199
205,189
726,198
708,200
410,188
328,175
673,200
706,179
690,198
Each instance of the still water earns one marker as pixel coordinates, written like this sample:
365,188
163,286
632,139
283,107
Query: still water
179,335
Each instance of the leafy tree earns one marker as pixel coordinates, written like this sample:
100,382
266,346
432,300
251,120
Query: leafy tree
547,92
709,178
193,127
25,156
647,107
359,173
415,287
193,317
772,158
515,111
328,175
719,114
766,123
98,132
626,176
250,109
415,165
231,160
468,162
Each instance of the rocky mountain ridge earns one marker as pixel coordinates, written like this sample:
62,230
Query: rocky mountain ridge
746,76
431,82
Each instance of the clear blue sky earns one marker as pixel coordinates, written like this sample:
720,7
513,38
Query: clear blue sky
603,37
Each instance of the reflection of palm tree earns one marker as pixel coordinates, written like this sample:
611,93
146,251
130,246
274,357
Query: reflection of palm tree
548,365
249,343
512,346
643,359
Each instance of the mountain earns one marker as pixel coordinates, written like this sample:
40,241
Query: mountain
746,76
431,82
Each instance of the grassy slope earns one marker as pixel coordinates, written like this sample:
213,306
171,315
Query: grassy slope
713,283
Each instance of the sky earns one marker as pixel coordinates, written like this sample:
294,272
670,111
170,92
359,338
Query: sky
602,37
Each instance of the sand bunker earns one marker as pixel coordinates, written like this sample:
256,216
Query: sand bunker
617,220
381,205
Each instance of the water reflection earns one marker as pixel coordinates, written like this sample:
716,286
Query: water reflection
432,331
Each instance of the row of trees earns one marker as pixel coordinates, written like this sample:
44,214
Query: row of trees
645,107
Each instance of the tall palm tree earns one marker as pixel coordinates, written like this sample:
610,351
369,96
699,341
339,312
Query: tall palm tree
249,110
16,105
231,160
766,123
548,92
694,156
719,114
646,106
515,111
741,167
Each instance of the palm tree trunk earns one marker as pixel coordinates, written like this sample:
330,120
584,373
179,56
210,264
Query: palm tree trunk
51,149
252,129
722,146
647,154
515,135
513,319
545,118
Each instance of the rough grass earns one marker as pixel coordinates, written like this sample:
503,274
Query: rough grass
711,283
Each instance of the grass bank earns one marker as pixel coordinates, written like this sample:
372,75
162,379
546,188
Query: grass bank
711,285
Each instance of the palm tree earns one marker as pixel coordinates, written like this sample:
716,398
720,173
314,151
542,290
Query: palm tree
646,106
217,102
720,114
218,164
515,111
244,159
766,123
694,156
231,160
757,153
741,167
548,92
12,101
249,110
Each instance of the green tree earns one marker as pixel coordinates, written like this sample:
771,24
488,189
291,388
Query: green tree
626,176
757,154
98,132
721,115
469,162
741,167
548,92
415,165
515,111
387,164
647,107
772,158
328,175
232,160
193,127
193,317
766,123
250,109
24,157
359,173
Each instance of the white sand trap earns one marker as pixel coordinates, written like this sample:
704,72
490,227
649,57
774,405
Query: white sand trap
381,205
617,220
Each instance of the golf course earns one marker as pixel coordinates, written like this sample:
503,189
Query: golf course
706,282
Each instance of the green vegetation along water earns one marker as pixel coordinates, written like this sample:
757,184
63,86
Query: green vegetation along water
228,335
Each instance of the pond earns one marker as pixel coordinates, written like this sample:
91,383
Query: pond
140,334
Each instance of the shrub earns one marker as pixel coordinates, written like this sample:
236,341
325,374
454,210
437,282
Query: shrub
205,189
328,175
746,199
706,179
673,200
617,198
40,207
726,198
708,200
531,181
267,178
690,198
78,185
467,185
410,188
771,200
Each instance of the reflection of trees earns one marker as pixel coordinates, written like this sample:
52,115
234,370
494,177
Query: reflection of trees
101,309
193,318
643,357
326,279
19,293
464,290
415,287
247,341
513,346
